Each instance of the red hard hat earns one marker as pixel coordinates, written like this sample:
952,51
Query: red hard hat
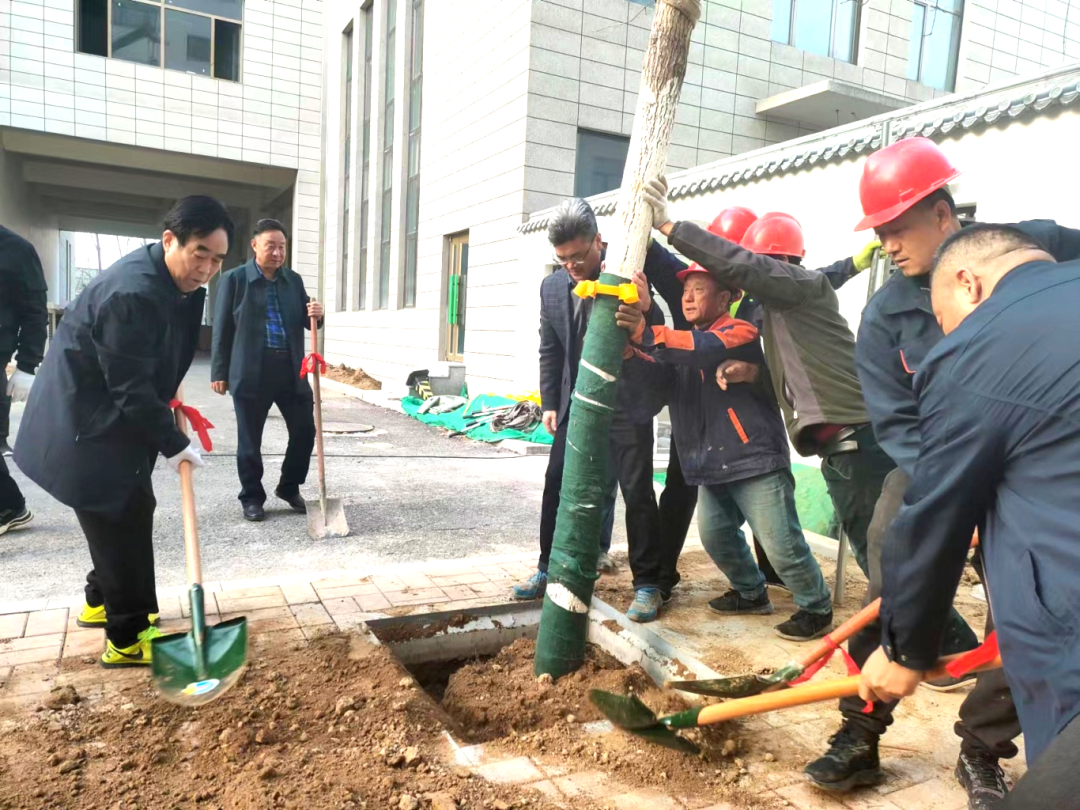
775,234
697,268
731,223
898,176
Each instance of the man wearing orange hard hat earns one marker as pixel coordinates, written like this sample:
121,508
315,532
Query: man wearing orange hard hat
809,351
905,199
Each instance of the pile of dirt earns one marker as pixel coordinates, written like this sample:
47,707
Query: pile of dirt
357,378
336,724
500,698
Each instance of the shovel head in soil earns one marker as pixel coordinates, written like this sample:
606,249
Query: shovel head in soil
630,714
740,686
327,519
194,668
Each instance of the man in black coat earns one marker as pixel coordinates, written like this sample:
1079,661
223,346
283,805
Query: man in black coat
261,313
99,413
23,328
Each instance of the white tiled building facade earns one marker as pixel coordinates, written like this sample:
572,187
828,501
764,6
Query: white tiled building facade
520,98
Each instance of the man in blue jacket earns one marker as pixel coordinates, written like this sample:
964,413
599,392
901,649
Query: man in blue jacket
732,445
999,439
261,313
897,331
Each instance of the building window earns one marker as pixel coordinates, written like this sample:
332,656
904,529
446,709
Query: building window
825,27
412,194
387,157
365,175
935,43
194,36
346,231
600,161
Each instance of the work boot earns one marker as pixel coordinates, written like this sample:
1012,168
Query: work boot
981,776
10,520
805,626
604,564
254,512
137,655
734,602
532,588
646,605
292,499
851,761
949,683
95,616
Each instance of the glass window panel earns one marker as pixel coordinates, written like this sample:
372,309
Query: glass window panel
914,54
844,30
94,27
389,87
136,32
813,26
387,214
415,91
187,42
781,21
939,50
388,169
600,162
414,154
233,9
388,126
226,51
463,287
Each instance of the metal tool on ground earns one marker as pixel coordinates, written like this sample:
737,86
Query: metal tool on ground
197,667
326,517
630,714
740,686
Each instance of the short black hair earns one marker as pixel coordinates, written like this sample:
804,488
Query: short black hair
986,236
941,195
264,225
198,215
573,219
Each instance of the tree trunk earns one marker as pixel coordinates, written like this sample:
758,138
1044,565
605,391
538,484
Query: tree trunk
572,569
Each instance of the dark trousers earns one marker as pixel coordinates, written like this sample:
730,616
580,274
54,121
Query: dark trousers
631,458
5,402
277,386
11,497
677,503
1053,780
122,579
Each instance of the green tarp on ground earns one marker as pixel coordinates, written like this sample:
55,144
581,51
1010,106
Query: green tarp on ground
456,420
811,499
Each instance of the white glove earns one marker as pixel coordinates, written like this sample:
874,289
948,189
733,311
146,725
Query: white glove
655,192
190,453
18,387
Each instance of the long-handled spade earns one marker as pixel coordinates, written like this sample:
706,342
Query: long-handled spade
197,667
327,518
740,686
630,714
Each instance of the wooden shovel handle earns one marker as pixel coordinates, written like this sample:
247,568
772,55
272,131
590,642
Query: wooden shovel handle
187,494
317,394
812,693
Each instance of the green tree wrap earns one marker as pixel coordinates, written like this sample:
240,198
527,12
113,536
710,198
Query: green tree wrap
560,647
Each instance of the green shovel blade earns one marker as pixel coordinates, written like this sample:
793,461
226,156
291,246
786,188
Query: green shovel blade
184,676
740,686
630,714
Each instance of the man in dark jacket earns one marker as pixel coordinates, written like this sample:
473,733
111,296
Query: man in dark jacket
261,313
99,413
732,445
23,328
997,452
574,235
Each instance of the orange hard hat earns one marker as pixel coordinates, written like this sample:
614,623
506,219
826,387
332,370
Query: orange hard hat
775,234
898,176
731,223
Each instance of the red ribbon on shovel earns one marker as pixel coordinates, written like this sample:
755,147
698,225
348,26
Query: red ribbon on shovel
849,663
983,654
308,366
197,421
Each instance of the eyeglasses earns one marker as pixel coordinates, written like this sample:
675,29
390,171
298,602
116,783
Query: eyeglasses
570,263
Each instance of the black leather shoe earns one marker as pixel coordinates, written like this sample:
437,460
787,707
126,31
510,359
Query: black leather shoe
295,500
254,511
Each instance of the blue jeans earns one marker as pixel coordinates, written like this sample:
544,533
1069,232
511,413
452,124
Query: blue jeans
768,504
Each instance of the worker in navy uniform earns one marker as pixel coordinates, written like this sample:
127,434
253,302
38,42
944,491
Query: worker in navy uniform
999,439
897,331
23,329
99,414
260,315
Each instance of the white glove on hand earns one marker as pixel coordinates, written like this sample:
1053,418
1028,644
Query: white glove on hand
190,453
18,387
656,192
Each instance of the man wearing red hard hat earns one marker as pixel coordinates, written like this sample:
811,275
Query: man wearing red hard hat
905,199
809,351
